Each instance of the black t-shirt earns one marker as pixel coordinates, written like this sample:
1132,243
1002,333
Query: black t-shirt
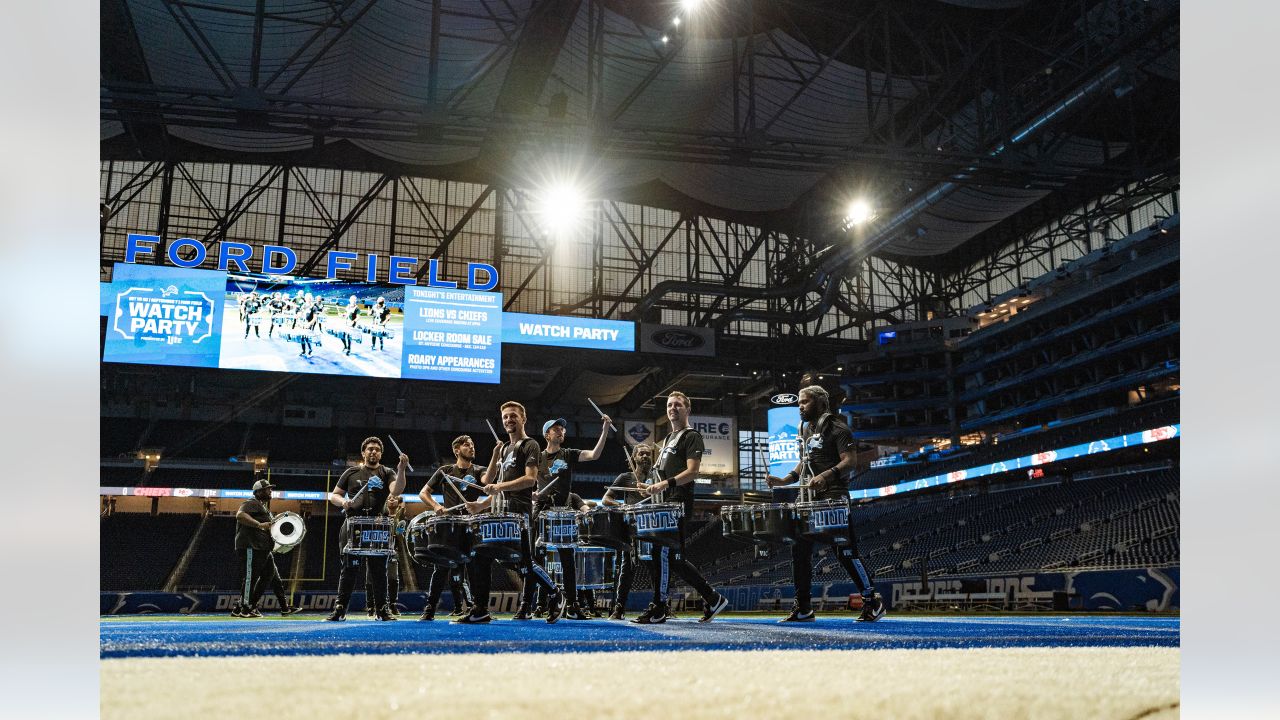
673,459
515,461
373,501
626,479
251,537
556,467
827,438
437,484
380,315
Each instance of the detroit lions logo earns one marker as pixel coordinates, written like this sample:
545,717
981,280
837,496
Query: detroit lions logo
815,443
508,462
171,290
557,466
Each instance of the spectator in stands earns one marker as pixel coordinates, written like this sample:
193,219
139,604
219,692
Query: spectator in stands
827,448
253,546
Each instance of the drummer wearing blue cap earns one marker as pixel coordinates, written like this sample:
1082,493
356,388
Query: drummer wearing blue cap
555,483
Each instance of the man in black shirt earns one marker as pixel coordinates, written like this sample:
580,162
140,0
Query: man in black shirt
642,462
253,547
511,475
555,484
456,496
379,314
249,311
828,445
678,464
363,490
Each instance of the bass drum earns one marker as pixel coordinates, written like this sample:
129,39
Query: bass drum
287,530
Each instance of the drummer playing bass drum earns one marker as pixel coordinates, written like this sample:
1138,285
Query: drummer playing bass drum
363,490
827,444
678,462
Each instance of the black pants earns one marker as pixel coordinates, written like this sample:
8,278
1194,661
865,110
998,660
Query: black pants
254,566
668,559
568,571
375,565
846,555
271,577
626,574
457,586
393,579
481,573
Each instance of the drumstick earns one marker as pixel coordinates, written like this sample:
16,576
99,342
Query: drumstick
597,407
624,488
464,481
495,432
397,449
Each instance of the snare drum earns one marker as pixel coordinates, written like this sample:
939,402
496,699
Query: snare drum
499,535
657,523
605,526
735,521
370,536
774,522
558,528
597,567
824,521
449,540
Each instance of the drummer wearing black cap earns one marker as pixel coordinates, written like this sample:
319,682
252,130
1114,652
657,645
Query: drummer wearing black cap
828,445
253,548
555,483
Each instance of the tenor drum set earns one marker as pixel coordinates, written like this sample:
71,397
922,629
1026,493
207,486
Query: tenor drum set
823,521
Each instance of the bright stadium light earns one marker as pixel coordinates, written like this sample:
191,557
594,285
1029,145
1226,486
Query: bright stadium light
690,5
858,212
561,208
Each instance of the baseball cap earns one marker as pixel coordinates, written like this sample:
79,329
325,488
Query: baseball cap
552,423
263,483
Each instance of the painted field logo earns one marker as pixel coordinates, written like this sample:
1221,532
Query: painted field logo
676,339
659,520
499,531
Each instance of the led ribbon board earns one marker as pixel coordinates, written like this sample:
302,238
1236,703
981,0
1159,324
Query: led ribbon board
1168,432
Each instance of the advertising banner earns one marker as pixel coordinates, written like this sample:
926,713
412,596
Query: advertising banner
165,316
720,435
453,335
784,429
569,332
678,340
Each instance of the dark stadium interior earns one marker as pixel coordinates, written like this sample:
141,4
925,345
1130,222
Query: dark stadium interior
1014,291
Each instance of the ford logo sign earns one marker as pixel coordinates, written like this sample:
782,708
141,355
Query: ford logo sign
784,399
677,339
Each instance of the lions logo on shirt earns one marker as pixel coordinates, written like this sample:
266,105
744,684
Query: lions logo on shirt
508,462
815,443
557,466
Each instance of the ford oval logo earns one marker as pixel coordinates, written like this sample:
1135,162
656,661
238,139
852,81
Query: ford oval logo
677,339
784,399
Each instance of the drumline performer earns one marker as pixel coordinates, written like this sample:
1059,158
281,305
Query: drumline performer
641,462
363,490
555,486
254,546
351,313
249,311
395,510
678,463
511,475
827,446
277,307
464,466
380,314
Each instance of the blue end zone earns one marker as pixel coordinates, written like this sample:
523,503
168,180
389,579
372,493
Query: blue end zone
176,635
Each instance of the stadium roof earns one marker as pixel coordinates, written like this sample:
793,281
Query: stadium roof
952,115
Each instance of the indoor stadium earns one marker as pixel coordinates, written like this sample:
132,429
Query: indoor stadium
713,358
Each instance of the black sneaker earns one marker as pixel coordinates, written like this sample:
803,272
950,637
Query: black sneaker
252,613
235,612
522,614
714,609
428,613
555,607
573,612
616,613
370,612
384,613
460,610
798,616
872,609
654,614
470,619
339,614
540,611
290,610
